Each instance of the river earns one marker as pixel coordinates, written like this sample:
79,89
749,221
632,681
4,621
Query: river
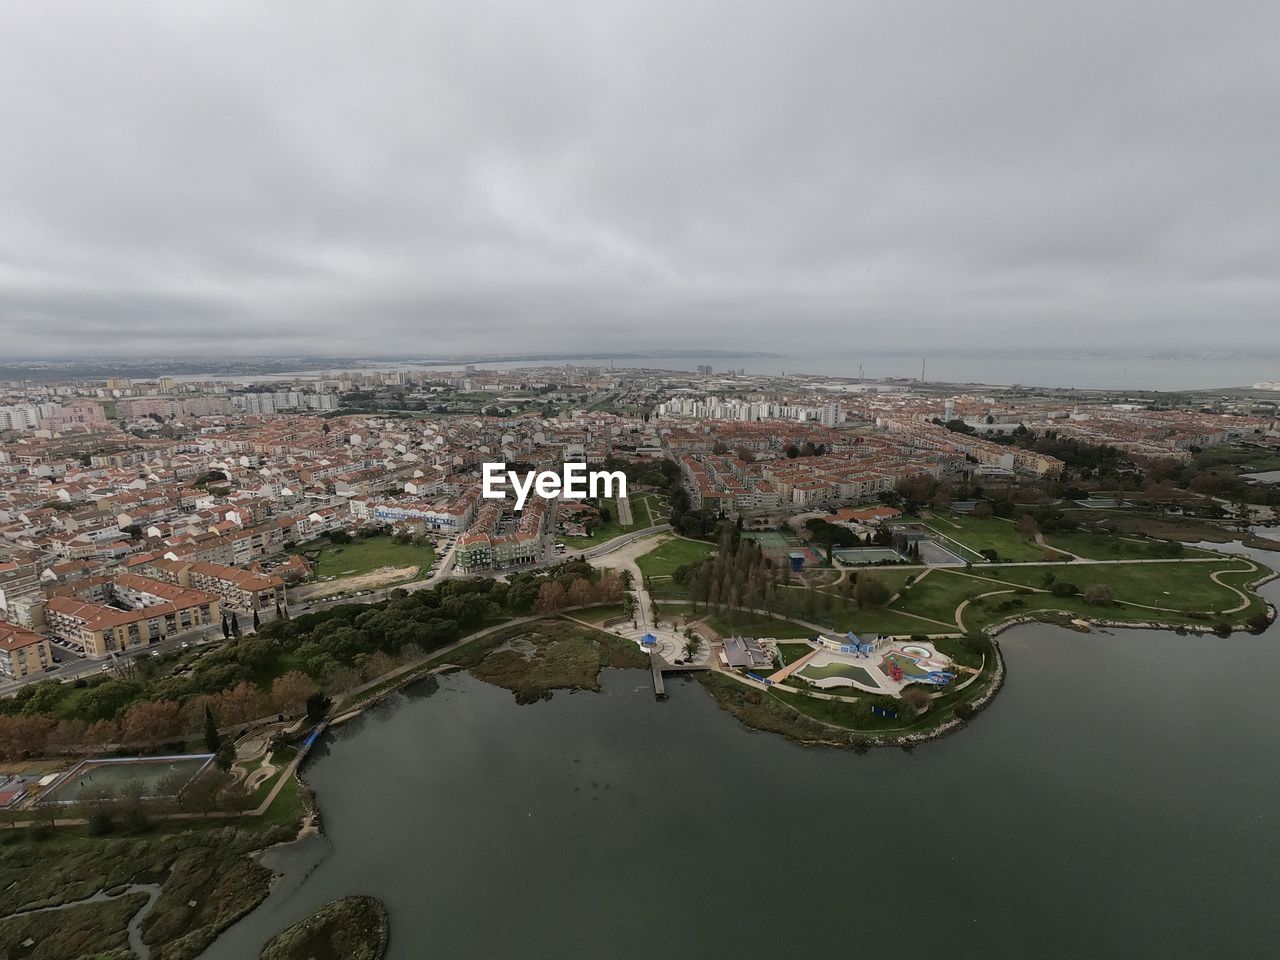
1117,799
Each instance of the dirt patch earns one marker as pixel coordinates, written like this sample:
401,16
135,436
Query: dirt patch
383,576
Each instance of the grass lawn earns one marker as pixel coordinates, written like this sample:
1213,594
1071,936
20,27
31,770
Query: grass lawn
895,580
673,553
884,620
987,533
1247,459
730,622
1094,545
598,614
937,595
1174,586
645,504
832,611
366,554
791,652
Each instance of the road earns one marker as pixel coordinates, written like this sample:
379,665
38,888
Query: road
70,666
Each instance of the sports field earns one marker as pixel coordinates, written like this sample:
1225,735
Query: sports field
673,553
150,776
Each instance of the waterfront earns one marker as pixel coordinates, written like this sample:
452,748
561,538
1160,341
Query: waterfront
1037,369
1116,799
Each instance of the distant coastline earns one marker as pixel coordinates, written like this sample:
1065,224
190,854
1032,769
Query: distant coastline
1119,372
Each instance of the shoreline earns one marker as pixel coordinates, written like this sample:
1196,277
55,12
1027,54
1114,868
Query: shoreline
312,823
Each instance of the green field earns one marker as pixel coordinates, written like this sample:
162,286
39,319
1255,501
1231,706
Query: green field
739,622
670,555
791,652
1170,592
599,614
1094,545
1181,593
365,555
987,533
650,508
1181,586
937,595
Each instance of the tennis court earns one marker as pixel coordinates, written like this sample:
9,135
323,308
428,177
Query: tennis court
858,555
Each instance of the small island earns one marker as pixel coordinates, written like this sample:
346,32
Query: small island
350,928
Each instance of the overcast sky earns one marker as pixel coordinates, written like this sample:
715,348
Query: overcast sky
304,176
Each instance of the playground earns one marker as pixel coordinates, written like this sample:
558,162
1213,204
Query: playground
154,777
875,665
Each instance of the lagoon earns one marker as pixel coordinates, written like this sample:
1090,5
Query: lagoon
1117,799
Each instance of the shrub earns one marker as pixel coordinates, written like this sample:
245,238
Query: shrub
1100,594
100,824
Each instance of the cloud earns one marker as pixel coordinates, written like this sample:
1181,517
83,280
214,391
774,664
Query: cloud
319,177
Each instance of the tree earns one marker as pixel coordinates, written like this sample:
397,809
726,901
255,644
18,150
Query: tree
1027,526
916,699
551,597
317,706
235,626
1100,594
242,703
25,736
226,756
256,622
608,589
226,628
291,691
982,509
581,593
212,739
691,645
100,734
870,591
151,722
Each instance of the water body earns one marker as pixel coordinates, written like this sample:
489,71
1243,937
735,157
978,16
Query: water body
1117,799
1043,369
1038,369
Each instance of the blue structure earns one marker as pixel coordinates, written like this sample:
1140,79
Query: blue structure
648,640
797,562
861,648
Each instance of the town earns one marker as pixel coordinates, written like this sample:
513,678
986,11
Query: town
199,575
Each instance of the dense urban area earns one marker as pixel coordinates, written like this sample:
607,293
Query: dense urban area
199,575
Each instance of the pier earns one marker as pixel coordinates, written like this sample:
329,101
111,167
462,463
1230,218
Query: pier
659,667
